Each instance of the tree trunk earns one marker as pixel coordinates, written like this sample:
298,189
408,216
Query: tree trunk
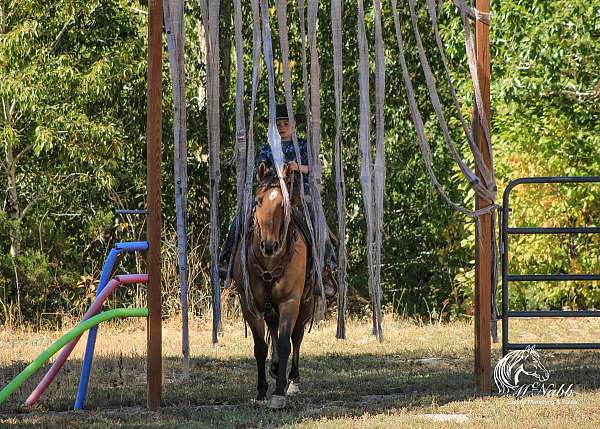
12,203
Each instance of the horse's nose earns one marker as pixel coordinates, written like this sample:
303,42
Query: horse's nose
269,248
263,246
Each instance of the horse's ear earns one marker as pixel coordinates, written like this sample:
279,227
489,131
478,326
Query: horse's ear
262,172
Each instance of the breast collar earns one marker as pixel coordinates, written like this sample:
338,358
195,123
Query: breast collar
271,276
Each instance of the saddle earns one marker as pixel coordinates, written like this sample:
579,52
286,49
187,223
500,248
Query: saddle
329,282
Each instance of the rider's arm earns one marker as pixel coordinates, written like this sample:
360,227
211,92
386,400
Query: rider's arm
302,166
264,155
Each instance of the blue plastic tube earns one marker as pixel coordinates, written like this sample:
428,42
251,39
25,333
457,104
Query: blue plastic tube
135,246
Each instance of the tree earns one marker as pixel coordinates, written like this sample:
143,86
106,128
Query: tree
71,78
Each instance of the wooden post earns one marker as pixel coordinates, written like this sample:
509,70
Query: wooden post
484,237
154,141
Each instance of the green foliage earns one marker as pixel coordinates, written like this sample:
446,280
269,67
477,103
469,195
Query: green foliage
545,99
549,125
33,281
72,129
72,89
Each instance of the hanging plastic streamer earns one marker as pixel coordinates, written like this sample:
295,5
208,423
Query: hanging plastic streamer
366,167
210,10
472,178
310,105
273,136
486,173
315,177
420,128
301,14
379,166
336,32
287,83
481,166
240,128
248,194
487,190
174,23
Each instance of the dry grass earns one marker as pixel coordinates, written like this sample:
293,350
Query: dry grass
345,384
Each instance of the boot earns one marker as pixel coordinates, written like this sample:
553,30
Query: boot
223,265
329,285
227,249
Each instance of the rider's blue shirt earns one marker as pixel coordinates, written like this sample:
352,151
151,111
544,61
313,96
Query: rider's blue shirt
265,155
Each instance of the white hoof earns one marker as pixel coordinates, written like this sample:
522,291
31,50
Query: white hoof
276,402
293,388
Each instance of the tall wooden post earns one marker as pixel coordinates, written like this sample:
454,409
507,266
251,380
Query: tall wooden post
484,237
154,141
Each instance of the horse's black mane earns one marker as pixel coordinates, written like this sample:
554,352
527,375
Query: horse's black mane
270,180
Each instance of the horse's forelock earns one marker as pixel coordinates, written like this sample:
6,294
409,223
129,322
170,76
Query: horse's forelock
270,180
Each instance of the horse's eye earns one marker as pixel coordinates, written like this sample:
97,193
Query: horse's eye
258,201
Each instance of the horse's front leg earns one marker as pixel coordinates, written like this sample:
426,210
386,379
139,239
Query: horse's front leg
288,313
257,326
297,336
274,368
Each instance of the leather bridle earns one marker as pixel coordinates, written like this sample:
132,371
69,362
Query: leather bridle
269,277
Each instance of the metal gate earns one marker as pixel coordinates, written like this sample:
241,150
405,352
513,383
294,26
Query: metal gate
507,278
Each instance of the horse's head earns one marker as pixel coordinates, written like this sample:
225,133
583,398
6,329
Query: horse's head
518,363
269,217
533,367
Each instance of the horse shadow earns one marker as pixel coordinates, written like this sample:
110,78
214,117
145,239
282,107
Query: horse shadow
332,384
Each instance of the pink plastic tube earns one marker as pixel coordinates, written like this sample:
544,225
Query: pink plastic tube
93,310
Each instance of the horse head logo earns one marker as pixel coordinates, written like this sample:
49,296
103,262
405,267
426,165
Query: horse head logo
516,365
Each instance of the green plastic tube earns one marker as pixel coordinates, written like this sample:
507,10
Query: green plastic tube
117,313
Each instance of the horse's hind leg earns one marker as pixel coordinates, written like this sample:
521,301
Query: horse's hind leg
297,336
257,327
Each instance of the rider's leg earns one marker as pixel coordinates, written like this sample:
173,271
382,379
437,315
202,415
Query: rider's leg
330,257
227,248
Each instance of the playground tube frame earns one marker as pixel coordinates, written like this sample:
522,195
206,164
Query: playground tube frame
93,310
118,313
107,269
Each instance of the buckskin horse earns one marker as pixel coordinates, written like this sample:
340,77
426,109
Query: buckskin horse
277,266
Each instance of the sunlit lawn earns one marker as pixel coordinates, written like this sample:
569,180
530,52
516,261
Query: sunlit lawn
353,383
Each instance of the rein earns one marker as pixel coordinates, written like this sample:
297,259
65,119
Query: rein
269,277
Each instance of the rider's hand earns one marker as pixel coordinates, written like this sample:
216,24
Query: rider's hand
293,166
